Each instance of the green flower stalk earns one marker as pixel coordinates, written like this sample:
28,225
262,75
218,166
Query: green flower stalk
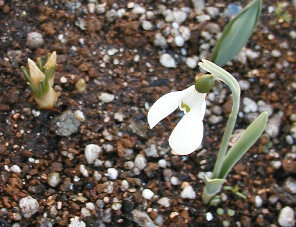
40,79
188,134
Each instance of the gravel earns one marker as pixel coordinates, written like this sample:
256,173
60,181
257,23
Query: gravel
76,223
112,173
188,193
249,105
142,218
66,124
29,206
286,217
54,179
140,162
164,201
92,152
273,125
167,61
147,194
34,40
106,97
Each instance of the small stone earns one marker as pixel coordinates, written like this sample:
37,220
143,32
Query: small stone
162,163
106,97
273,125
276,164
175,180
90,206
164,201
124,185
76,223
258,201
286,217
79,115
160,41
263,106
290,185
185,33
249,105
179,16
138,9
147,194
167,61
213,119
292,34
276,53
209,216
188,193
34,40
65,124
142,218
15,169
97,176
100,8
140,162
53,179
152,151
112,173
191,62
232,10
244,85
198,5
92,152
85,212
119,117
147,25
91,7
29,206
179,41
83,170
212,11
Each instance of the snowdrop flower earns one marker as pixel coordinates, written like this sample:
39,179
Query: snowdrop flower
187,135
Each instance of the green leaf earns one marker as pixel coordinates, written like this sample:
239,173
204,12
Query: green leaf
250,136
236,33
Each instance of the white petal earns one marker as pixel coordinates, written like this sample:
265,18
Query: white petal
164,106
187,135
193,98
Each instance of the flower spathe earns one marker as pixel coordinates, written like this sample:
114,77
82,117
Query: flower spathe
188,133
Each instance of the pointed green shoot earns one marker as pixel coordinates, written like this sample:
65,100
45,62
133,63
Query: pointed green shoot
250,136
236,33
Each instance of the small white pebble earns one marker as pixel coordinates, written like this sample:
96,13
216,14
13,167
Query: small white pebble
90,206
258,201
162,163
167,61
164,201
147,194
286,217
188,193
179,41
140,162
83,170
112,173
209,216
92,152
63,80
79,115
15,169
147,25
175,180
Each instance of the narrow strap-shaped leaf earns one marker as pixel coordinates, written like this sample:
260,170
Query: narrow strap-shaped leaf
250,136
236,33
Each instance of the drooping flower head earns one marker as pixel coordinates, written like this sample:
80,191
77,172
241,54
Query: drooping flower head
188,133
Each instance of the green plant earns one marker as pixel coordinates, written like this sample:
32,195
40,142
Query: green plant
187,135
40,79
236,33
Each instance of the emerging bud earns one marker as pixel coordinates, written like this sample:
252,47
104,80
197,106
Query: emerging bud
36,76
40,78
51,61
204,83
